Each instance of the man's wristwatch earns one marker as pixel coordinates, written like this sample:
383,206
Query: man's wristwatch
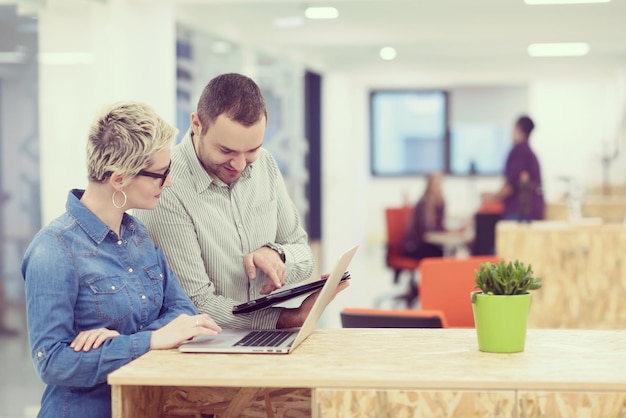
278,249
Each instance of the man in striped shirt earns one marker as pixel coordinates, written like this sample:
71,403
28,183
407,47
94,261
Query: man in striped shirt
230,231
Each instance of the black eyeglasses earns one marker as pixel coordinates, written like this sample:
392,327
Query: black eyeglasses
163,176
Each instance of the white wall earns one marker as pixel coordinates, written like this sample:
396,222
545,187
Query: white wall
576,122
94,54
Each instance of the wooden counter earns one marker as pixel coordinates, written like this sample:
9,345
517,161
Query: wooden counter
385,373
583,268
609,209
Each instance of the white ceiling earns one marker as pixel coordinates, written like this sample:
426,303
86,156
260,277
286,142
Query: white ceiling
429,35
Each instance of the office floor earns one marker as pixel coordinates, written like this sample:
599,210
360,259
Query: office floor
21,389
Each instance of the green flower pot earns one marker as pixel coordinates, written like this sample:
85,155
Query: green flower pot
501,321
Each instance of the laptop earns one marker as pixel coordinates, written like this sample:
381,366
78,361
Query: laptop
275,341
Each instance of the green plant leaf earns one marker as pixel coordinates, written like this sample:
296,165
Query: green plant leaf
512,278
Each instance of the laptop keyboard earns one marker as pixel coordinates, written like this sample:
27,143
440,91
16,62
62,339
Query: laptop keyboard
269,338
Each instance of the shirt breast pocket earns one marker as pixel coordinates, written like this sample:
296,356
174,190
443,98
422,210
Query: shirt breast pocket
155,275
111,297
264,221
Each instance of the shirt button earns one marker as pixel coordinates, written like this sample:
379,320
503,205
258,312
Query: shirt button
119,242
143,296
140,326
161,276
112,287
39,354
130,270
240,225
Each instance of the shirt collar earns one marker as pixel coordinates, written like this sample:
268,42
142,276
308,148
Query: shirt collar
198,174
90,223
201,178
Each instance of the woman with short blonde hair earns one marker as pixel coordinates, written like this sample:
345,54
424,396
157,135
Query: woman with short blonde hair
98,292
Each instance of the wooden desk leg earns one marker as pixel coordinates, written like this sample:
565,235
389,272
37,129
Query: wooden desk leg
116,401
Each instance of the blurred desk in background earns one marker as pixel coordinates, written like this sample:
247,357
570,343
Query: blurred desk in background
608,190
609,209
454,243
582,267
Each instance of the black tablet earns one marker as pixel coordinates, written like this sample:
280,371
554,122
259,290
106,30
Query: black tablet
281,295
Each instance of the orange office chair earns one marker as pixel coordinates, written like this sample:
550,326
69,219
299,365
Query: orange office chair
491,206
391,318
446,285
397,220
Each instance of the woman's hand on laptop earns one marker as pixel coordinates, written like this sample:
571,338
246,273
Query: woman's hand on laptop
183,328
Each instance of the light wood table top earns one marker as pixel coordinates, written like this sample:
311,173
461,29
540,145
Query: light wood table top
400,358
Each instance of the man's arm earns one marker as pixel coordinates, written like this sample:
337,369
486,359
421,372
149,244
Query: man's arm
505,191
291,237
513,169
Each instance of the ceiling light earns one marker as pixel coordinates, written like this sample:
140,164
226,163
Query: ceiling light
388,53
12,57
289,22
321,13
66,58
572,49
221,47
564,1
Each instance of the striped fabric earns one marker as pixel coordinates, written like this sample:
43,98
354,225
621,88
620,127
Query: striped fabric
205,227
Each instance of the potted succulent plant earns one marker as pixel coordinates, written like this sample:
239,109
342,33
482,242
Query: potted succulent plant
502,305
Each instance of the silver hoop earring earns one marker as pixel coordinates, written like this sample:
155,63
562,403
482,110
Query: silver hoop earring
113,199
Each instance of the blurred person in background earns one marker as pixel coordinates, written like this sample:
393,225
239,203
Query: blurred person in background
521,192
428,216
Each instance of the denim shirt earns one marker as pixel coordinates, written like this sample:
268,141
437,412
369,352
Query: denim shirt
80,275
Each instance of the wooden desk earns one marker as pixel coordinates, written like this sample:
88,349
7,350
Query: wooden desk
582,267
347,373
610,209
452,242
608,190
